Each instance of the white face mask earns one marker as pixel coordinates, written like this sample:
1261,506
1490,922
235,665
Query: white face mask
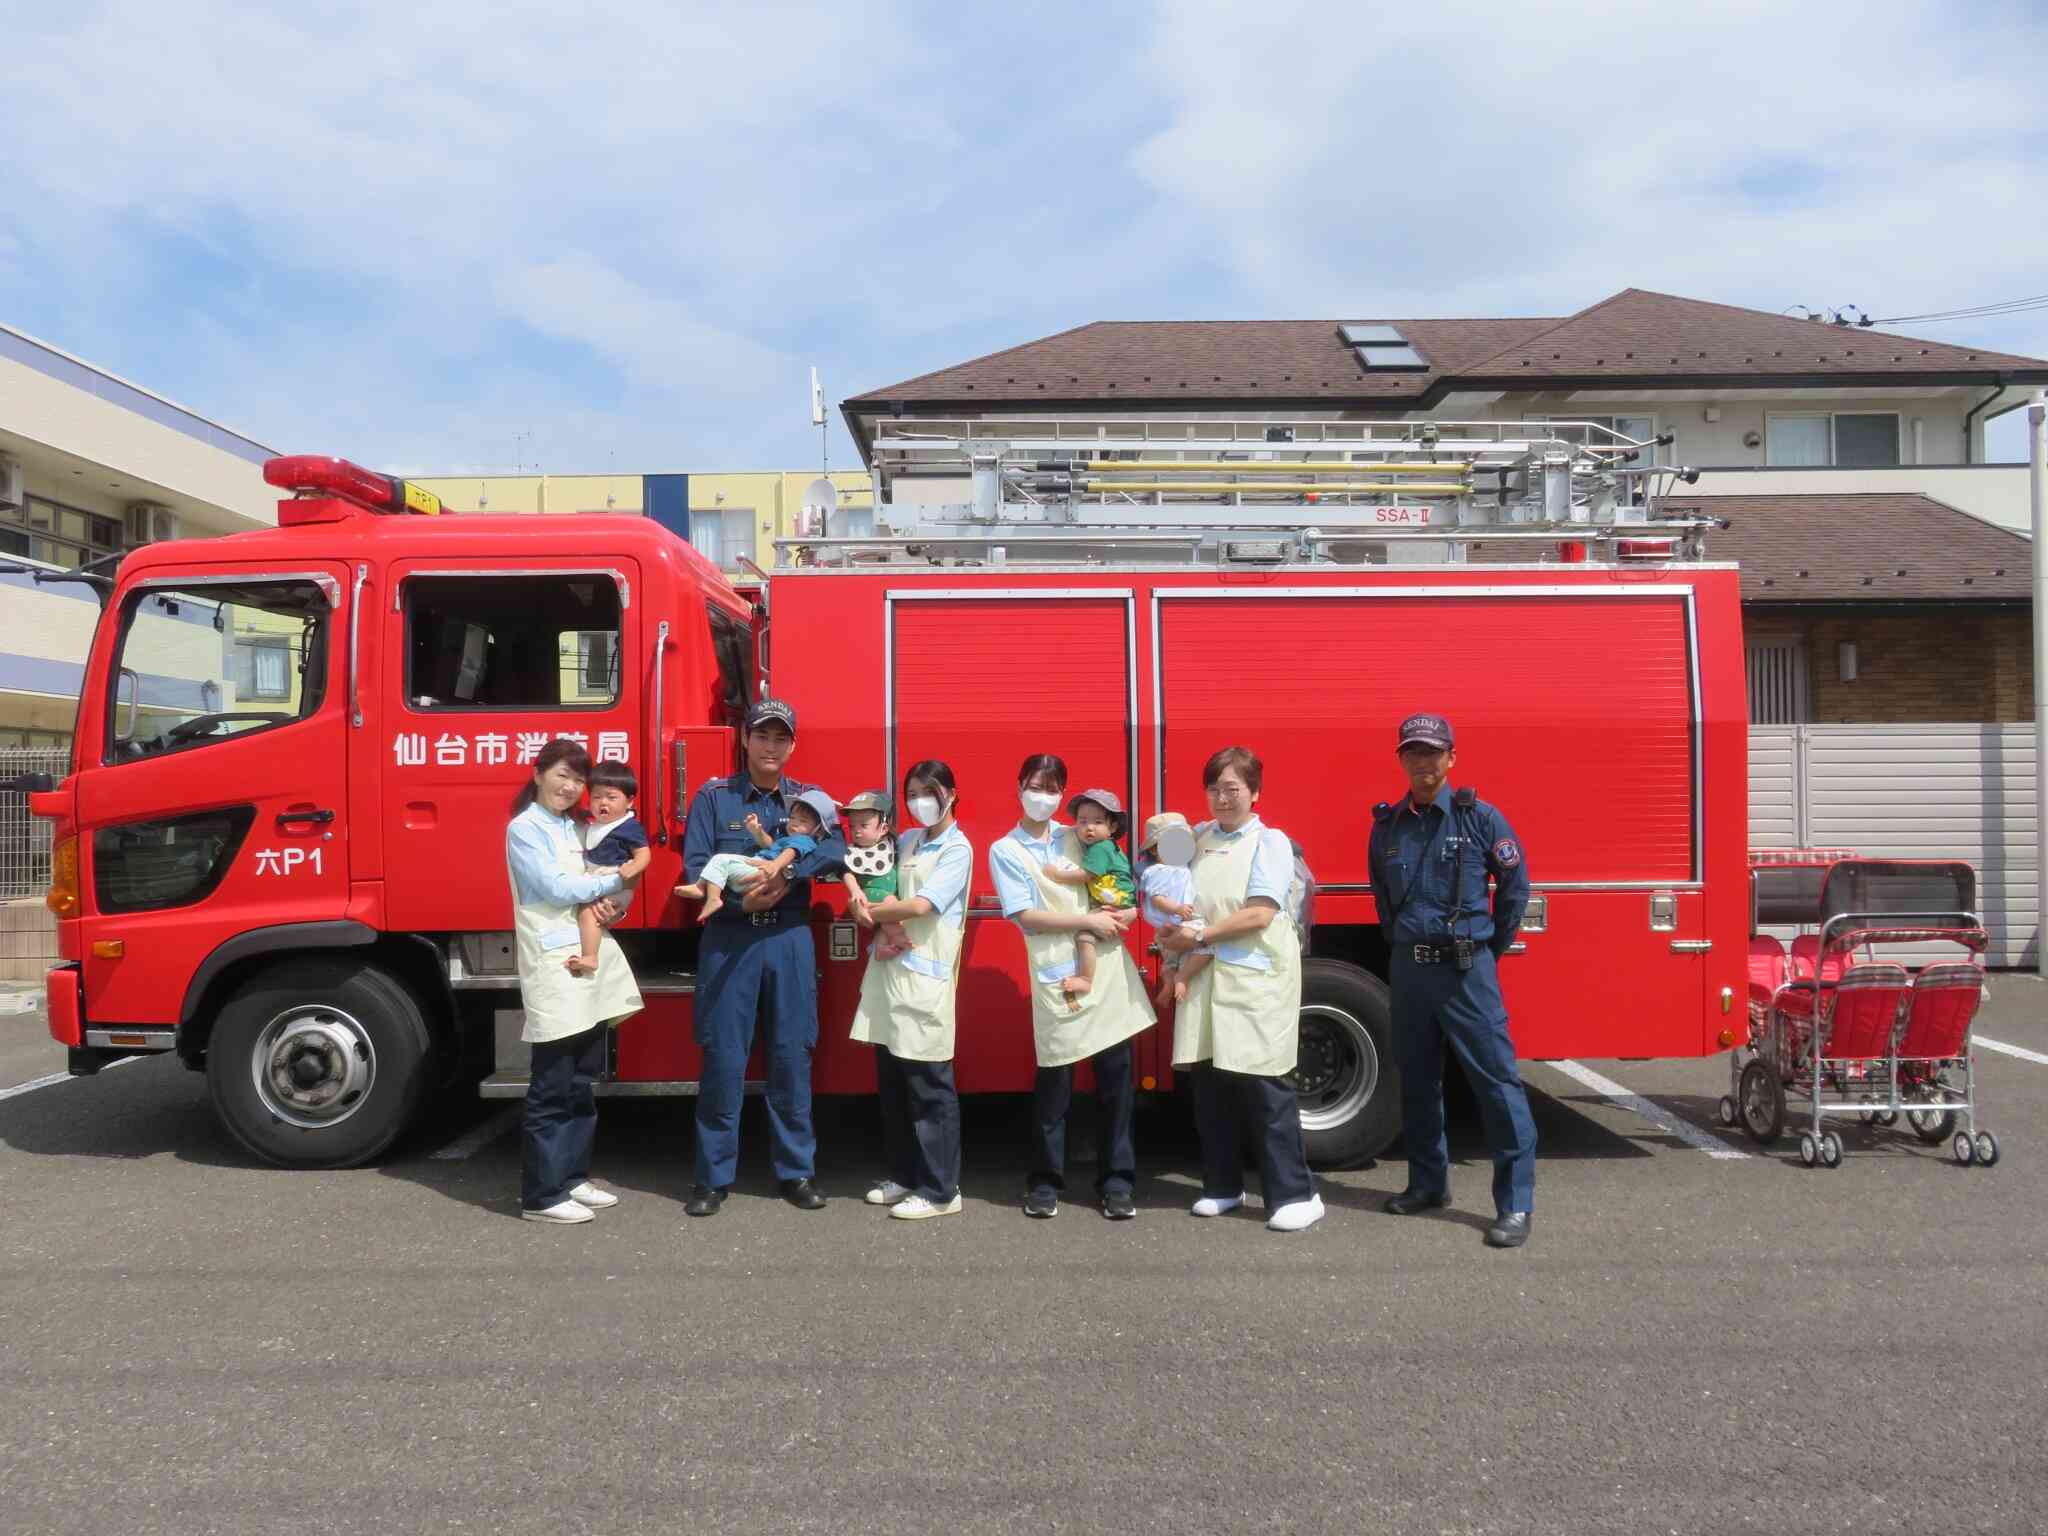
1037,806
926,809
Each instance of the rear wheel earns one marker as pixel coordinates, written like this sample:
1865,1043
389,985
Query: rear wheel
1344,1075
1763,1102
319,1064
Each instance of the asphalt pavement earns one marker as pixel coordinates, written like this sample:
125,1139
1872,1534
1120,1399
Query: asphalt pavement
1695,1341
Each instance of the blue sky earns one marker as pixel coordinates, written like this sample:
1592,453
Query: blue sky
462,233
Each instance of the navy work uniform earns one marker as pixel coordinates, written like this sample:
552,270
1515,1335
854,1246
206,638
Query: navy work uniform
755,964
1429,867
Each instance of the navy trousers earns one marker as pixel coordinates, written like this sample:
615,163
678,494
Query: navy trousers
561,1118
1440,1005
1116,1108
1229,1103
920,1124
745,973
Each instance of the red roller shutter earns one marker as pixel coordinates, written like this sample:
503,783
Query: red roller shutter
1573,714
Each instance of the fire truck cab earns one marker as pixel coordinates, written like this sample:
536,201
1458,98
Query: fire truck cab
280,851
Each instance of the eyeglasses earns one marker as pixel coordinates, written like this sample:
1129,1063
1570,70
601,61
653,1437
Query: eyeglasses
1220,791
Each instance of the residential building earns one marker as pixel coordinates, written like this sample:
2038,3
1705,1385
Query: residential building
729,517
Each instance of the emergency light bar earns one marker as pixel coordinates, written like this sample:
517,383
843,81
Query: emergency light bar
315,474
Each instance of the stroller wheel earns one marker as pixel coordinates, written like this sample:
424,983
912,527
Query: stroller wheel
1725,1110
1763,1102
1830,1150
1964,1148
1887,1117
1987,1149
1809,1149
1931,1125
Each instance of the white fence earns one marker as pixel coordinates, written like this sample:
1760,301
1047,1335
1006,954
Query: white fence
25,839
1910,791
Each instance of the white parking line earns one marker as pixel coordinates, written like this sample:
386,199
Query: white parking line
59,1077
2012,1050
1663,1119
473,1141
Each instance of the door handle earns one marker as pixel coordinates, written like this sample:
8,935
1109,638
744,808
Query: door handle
314,818
1691,946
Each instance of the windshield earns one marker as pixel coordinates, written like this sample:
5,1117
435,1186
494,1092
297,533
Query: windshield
202,664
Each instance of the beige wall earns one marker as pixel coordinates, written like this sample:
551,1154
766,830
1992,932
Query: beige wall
1940,420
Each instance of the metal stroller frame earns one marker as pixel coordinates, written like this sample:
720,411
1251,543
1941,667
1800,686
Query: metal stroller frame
1860,1036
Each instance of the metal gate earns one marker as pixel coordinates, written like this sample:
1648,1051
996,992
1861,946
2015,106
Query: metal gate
25,839
1911,791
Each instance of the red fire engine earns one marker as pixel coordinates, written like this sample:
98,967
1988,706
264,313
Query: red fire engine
279,851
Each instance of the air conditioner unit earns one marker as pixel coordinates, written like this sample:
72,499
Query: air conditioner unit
150,522
10,483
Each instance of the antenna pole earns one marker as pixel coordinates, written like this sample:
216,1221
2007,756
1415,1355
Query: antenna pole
2037,484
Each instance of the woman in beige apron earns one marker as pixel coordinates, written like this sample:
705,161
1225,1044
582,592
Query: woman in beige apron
1237,1031
566,1014
906,1002
1096,1027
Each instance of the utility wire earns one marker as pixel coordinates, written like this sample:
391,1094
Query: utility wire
2004,307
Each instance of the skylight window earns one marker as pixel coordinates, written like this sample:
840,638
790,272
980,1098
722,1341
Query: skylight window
1382,348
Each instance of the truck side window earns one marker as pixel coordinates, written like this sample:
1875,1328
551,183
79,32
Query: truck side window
732,643
203,664
511,642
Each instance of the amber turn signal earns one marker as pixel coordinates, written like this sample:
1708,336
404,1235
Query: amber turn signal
109,949
63,897
1727,1038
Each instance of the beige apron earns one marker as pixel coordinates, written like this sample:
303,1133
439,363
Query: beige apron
1242,1018
558,1004
903,1010
1112,1011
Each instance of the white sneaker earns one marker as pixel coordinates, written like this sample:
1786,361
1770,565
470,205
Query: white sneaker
917,1208
1216,1205
564,1212
888,1192
589,1194
1296,1215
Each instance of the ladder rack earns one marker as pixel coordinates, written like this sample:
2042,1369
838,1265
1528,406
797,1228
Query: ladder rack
1264,493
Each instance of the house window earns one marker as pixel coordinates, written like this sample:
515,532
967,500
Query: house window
58,535
1777,684
722,535
262,669
1847,440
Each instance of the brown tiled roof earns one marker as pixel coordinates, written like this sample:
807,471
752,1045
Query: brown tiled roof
1208,360
1638,332
1888,547
1635,334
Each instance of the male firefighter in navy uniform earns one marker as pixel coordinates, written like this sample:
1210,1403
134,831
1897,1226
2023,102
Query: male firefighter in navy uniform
757,960
1429,856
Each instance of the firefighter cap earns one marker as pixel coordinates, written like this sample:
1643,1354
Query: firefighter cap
771,712
1427,731
871,800
1101,797
819,801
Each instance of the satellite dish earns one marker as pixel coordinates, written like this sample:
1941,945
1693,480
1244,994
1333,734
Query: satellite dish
821,500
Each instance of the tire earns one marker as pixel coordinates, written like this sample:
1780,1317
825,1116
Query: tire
1349,1086
1830,1150
1762,1103
1931,1125
320,1063
1809,1150
1725,1112
1963,1148
1987,1149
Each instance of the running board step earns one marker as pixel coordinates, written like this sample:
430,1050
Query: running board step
512,1085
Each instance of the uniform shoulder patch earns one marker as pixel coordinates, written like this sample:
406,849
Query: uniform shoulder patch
1507,853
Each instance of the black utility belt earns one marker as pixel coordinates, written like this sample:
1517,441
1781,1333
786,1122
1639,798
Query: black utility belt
768,919
1459,952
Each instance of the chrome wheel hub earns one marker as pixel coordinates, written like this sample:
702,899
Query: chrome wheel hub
314,1066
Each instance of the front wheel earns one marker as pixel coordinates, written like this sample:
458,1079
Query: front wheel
1344,1076
318,1064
